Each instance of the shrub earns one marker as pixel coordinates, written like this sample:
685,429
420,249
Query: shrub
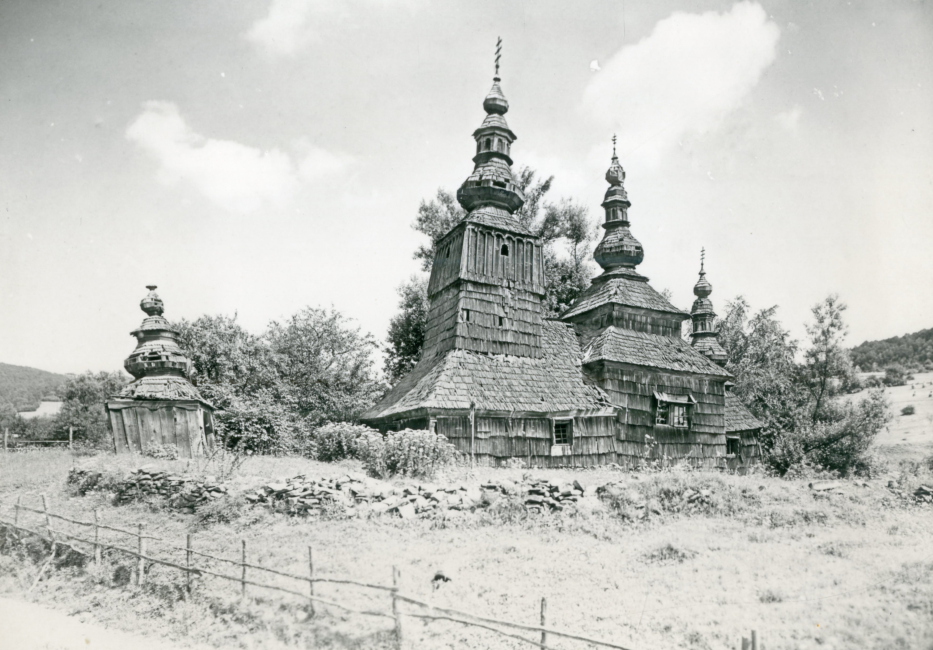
895,375
412,453
908,410
161,452
338,440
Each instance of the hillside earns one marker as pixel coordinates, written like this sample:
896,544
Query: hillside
23,387
914,351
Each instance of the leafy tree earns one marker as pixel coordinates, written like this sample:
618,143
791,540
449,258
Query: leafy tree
324,365
826,359
273,389
895,375
760,353
84,410
406,329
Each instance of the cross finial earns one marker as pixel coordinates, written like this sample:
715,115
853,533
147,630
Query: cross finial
702,259
614,146
498,54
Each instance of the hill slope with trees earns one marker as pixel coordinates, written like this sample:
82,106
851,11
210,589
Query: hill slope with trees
913,351
21,387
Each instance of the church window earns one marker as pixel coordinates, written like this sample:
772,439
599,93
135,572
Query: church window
498,144
563,432
487,144
501,322
672,410
504,251
466,315
732,446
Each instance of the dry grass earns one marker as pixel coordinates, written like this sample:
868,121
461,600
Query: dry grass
838,570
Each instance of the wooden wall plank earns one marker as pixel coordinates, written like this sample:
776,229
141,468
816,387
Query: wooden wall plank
131,424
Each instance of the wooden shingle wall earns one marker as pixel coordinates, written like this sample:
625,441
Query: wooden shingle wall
529,439
632,318
632,390
139,425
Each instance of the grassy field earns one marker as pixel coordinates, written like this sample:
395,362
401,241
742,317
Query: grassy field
910,435
847,569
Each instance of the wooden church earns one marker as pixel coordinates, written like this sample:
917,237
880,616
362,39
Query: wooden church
610,381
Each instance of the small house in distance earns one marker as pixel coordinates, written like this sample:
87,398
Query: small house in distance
48,408
610,381
161,407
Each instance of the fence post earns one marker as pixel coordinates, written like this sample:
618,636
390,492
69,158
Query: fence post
310,581
188,563
96,538
48,520
543,622
71,438
396,578
141,553
745,644
243,569
754,640
6,436
16,510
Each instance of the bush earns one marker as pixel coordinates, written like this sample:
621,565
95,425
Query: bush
412,453
840,445
908,410
338,440
895,375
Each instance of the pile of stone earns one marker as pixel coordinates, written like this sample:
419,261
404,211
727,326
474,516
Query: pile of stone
85,481
358,496
924,494
181,492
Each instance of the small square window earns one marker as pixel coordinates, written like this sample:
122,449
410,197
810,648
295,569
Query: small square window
672,415
732,446
563,432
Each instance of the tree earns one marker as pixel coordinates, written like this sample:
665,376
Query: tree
324,365
406,329
83,410
760,353
826,359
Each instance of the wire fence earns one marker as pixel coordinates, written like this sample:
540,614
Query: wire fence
253,575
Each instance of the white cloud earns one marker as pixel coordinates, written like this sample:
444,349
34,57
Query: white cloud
790,118
235,176
689,73
285,30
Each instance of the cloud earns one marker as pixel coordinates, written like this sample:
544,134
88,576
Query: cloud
285,30
235,176
684,78
790,118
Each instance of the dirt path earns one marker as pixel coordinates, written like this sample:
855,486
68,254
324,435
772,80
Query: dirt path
28,626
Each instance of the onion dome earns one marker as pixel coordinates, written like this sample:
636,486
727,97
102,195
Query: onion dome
491,182
157,351
705,337
619,248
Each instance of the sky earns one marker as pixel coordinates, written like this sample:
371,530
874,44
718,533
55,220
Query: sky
256,157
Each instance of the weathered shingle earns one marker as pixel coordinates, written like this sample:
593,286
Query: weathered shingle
631,290
651,350
553,382
739,418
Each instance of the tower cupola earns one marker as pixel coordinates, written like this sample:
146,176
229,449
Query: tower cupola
157,351
618,247
491,182
705,336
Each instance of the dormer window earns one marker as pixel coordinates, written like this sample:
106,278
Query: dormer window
504,251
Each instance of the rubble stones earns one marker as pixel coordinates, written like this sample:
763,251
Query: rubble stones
182,493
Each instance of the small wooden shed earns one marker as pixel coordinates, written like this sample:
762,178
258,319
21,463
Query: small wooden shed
161,407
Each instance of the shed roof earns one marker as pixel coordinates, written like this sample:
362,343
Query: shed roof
739,418
551,383
652,350
161,387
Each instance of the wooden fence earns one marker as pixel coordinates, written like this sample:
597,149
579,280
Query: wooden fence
142,557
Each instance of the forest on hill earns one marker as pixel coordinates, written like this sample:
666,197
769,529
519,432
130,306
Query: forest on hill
21,387
913,351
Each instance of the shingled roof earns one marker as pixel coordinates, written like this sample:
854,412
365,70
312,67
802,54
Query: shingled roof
651,350
738,418
551,383
623,287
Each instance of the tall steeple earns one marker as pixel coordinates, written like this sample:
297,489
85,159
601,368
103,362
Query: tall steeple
705,337
618,249
491,182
